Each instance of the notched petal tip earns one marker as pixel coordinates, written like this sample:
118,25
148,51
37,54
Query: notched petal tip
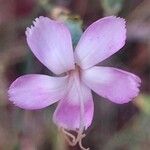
122,22
114,84
12,99
29,30
35,24
137,79
118,19
36,91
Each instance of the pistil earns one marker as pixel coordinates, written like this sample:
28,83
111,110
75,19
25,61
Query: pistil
71,139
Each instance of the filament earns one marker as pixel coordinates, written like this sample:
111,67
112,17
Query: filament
70,138
80,143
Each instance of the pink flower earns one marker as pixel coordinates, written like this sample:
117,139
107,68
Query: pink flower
50,41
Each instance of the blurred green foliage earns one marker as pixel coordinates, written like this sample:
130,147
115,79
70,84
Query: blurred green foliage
112,7
75,27
143,103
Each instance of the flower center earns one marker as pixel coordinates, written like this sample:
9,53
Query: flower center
75,72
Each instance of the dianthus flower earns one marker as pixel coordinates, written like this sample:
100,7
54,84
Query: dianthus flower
76,73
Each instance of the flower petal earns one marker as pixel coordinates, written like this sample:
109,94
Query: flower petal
117,85
68,112
50,41
101,39
37,91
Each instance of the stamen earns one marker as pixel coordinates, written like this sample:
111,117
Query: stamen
82,123
79,135
80,143
72,140
67,136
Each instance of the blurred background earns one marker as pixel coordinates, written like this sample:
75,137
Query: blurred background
114,127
